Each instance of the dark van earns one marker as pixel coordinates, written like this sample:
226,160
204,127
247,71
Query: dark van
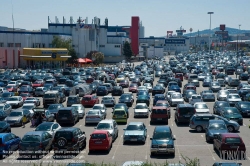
159,114
183,113
67,115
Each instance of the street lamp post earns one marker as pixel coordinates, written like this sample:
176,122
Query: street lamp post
238,45
210,13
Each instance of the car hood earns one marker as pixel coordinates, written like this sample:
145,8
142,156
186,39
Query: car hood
141,110
53,111
124,100
202,110
161,141
213,132
233,116
11,102
133,132
13,118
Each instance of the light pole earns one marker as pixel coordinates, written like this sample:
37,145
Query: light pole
210,13
238,45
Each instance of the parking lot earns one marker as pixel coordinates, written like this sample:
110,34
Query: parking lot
189,143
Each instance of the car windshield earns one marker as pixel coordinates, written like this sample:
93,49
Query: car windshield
86,98
76,107
16,114
98,136
101,126
119,113
224,93
107,98
245,105
176,96
31,138
201,106
97,107
196,97
49,95
28,107
232,111
124,97
93,112
12,99
159,111
233,140
134,127
51,107
162,135
141,107
233,96
224,104
43,127
2,124
217,126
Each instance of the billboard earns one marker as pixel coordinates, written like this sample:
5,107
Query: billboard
175,41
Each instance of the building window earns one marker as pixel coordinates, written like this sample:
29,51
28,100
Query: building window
17,44
10,45
43,45
117,46
101,45
37,45
50,45
1,44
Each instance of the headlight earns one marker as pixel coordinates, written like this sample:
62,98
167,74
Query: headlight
170,146
154,146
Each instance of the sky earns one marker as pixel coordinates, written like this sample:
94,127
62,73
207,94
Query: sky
157,16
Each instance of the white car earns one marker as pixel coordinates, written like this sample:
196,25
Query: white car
142,88
175,99
168,95
131,76
233,98
80,109
108,100
148,86
222,95
141,109
13,83
29,106
15,101
50,127
101,107
201,107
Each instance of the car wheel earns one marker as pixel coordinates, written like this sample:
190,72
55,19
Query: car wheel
199,129
230,128
152,154
207,139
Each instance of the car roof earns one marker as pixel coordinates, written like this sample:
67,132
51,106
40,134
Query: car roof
162,128
135,123
185,105
216,121
35,133
68,129
65,108
99,105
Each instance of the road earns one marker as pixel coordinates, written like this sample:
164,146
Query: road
188,143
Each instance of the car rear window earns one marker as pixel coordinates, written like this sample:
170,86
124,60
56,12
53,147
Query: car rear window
98,136
63,112
233,140
159,111
86,98
119,113
65,134
186,110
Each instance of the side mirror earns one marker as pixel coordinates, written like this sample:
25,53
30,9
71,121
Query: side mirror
174,108
151,138
83,132
174,138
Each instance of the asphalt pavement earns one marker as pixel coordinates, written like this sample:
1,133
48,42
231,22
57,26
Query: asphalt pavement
188,143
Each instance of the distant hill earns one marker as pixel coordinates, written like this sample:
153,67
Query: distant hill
231,31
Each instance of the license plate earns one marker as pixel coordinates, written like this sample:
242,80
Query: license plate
98,142
162,150
187,116
233,146
29,148
133,139
159,118
64,118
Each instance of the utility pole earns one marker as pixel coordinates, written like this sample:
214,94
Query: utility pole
209,43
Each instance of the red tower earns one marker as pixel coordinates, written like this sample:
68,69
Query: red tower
134,34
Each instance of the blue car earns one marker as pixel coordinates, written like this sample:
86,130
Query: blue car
143,92
175,88
8,143
158,97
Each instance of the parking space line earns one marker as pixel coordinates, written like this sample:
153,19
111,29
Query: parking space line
178,150
201,135
244,124
248,158
211,152
147,144
117,147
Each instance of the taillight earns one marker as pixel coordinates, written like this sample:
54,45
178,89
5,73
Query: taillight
192,122
194,110
73,140
178,112
2,145
113,116
41,145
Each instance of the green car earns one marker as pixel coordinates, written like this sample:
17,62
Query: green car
120,115
232,113
143,99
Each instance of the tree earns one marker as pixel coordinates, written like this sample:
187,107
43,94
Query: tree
98,57
59,42
90,54
127,51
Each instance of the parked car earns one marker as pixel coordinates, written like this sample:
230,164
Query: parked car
201,107
120,115
141,110
109,125
4,127
218,106
215,127
94,116
199,122
15,101
80,109
159,114
195,98
232,113
90,100
135,132
67,115
9,143
117,90
108,100
100,140
243,107
69,139
231,125
162,141
15,118
175,99
102,91
183,113
50,127
233,98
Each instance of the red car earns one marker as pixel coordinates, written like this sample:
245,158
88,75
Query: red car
124,83
164,103
133,88
25,95
38,83
179,75
229,143
100,140
215,71
11,88
90,100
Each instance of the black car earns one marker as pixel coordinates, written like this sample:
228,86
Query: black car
69,139
158,90
102,91
26,89
117,91
127,99
243,76
67,115
4,127
53,108
243,107
112,82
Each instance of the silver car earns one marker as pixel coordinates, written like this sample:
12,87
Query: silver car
101,107
15,101
135,132
222,95
109,125
80,109
175,99
233,98
40,91
215,86
94,116
108,100
199,122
